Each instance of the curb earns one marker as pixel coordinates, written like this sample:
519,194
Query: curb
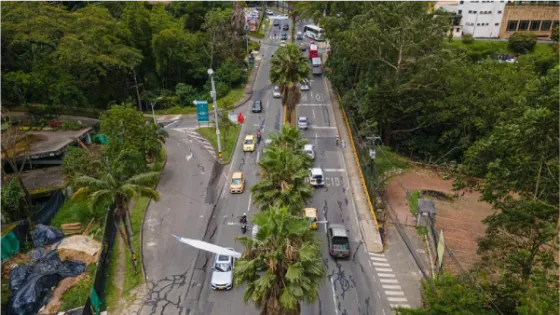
144,220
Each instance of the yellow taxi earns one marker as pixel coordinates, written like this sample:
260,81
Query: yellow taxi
249,143
237,184
311,215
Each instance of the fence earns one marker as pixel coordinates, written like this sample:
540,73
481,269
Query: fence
96,300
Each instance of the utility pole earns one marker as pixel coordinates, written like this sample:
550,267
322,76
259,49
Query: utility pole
213,95
136,85
247,39
153,113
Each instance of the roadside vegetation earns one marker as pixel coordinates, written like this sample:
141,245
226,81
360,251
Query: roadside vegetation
454,103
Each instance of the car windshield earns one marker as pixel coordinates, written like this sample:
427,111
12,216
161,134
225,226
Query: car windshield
318,177
236,181
302,119
223,267
248,141
312,220
309,152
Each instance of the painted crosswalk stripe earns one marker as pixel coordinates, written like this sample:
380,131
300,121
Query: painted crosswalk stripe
334,170
321,127
384,269
376,255
391,286
386,275
378,258
380,264
394,293
389,280
397,299
400,305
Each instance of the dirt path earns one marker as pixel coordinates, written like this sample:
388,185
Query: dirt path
460,219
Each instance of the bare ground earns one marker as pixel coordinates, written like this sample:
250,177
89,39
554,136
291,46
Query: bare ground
459,219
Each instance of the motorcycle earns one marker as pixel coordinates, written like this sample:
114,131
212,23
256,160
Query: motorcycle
243,222
258,138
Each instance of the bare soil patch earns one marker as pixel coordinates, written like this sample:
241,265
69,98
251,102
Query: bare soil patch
459,213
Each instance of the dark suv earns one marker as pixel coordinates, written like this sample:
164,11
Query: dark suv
285,27
257,107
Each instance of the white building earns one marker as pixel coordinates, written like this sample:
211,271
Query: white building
482,19
451,6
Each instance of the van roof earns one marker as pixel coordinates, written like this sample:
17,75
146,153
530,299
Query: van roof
316,61
312,47
316,171
338,230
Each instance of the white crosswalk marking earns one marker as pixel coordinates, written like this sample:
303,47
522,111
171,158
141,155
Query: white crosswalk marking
392,289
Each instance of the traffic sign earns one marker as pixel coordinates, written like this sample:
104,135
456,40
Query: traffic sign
202,111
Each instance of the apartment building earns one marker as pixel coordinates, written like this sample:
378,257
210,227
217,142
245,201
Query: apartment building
536,17
482,19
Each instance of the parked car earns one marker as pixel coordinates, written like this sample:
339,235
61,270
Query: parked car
222,272
299,35
284,36
302,122
285,27
269,12
304,85
257,107
316,177
309,150
276,93
276,22
339,243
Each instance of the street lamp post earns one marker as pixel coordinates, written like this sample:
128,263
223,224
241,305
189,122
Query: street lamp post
153,112
247,39
213,95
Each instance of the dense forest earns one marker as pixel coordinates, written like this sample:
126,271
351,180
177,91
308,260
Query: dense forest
402,78
94,54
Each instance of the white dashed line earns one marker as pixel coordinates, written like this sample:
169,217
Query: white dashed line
397,299
375,254
389,280
401,293
334,170
384,269
391,286
378,258
375,263
386,275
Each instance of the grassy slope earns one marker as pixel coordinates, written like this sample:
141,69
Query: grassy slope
228,143
231,98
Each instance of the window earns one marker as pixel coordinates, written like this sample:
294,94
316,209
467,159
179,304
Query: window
512,26
535,25
486,24
474,12
477,24
459,12
523,25
457,30
499,12
545,26
496,24
470,11
461,2
488,12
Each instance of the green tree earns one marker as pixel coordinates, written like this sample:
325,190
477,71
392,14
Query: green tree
288,68
522,42
223,43
289,254
283,174
114,185
450,295
79,161
288,138
14,206
128,129
554,34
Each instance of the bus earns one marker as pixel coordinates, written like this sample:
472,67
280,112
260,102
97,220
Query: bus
316,66
313,32
313,51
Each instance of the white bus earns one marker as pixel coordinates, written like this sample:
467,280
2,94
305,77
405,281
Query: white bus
313,32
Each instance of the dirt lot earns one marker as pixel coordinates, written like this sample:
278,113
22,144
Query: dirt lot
459,219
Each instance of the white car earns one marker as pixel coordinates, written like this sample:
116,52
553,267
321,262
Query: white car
269,12
222,272
276,92
283,43
316,177
302,122
304,85
309,150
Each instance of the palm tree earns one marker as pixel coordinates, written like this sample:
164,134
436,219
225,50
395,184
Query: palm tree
289,254
289,67
289,137
283,174
111,186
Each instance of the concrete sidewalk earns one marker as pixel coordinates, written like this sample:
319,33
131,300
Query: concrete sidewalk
370,234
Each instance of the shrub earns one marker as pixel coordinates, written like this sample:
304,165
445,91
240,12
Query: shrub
69,125
186,93
468,39
231,73
78,161
523,42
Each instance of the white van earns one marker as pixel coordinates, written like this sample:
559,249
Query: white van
316,66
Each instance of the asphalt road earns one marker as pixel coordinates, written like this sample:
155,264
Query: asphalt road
350,287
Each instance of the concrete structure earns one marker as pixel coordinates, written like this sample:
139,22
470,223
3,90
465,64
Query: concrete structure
536,18
482,19
453,7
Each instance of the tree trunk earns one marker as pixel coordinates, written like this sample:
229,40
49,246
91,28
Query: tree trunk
387,135
137,91
128,228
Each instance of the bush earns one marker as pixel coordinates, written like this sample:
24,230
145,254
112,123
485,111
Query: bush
468,39
186,94
523,42
78,161
69,125
231,73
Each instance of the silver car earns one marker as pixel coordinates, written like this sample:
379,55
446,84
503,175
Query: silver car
302,122
304,85
222,272
309,150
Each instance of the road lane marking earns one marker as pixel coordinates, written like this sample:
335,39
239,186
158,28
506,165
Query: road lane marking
389,280
386,275
375,263
311,93
266,104
375,254
171,124
401,293
249,205
397,299
334,296
400,305
334,170
378,258
313,113
321,127
391,286
258,155
384,269
314,105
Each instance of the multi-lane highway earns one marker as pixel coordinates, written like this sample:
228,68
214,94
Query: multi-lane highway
363,284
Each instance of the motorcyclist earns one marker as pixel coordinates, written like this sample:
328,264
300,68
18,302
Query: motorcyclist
243,218
337,139
259,135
